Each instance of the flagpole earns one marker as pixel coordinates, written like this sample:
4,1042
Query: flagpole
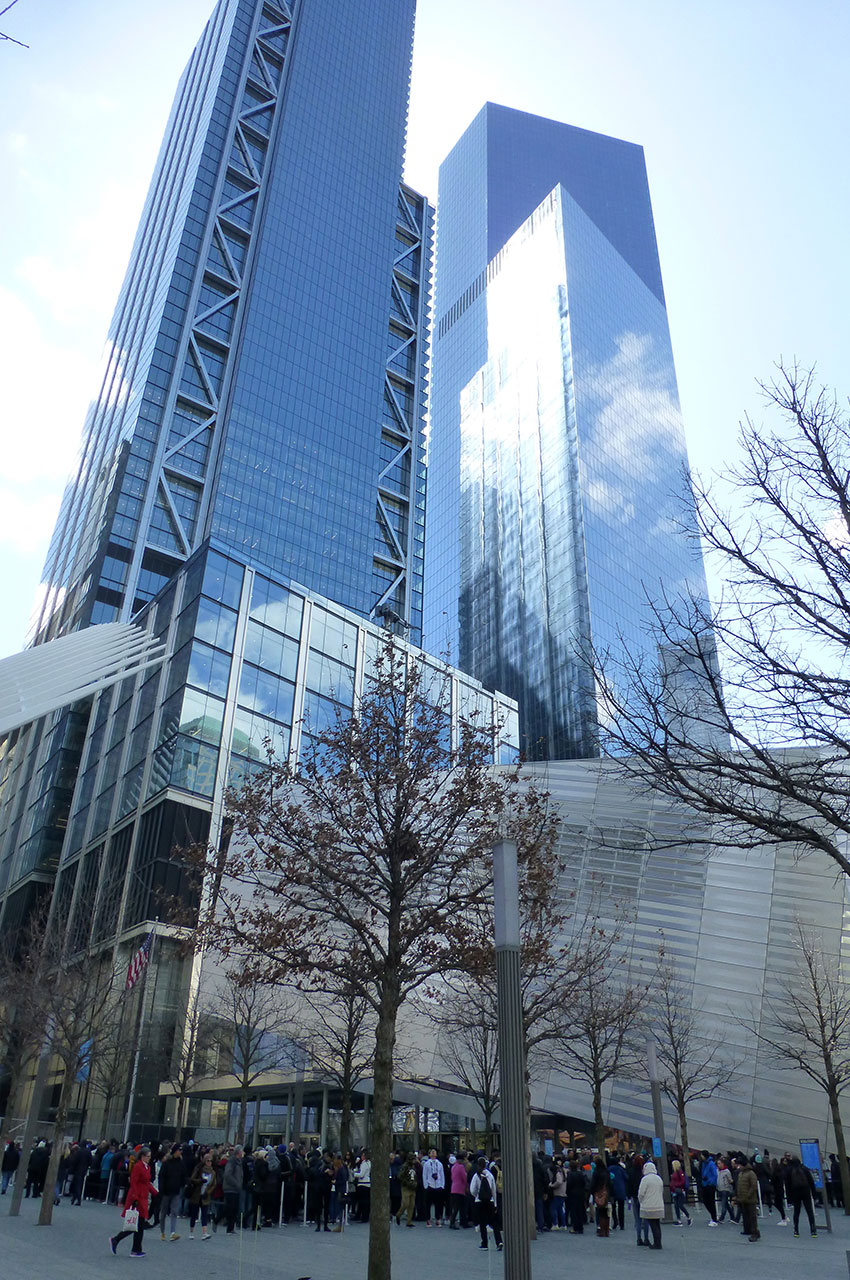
131,1101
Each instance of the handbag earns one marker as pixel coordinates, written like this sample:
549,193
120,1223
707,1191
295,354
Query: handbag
601,1198
131,1220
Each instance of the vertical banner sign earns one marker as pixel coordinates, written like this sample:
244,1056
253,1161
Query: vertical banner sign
810,1155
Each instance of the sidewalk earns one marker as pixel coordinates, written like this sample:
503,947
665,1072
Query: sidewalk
76,1247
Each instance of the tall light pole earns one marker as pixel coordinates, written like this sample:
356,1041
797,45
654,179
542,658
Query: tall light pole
514,1136
658,1120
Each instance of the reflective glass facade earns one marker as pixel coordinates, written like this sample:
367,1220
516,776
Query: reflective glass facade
263,385
556,430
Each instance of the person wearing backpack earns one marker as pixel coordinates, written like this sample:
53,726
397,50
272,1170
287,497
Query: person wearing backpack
483,1190
801,1186
409,1179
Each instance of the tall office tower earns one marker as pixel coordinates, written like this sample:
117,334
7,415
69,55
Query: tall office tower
556,447
262,393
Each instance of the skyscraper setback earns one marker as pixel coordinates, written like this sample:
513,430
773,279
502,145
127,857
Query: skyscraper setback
263,393
556,445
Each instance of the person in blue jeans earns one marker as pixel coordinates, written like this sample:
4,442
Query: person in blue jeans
634,1173
679,1192
617,1174
11,1160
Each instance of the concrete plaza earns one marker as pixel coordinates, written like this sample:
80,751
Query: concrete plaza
76,1247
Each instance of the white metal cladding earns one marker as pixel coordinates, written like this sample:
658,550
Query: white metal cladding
55,674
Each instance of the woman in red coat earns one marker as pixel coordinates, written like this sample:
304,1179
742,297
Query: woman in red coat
138,1197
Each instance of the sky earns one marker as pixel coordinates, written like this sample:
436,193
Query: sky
741,107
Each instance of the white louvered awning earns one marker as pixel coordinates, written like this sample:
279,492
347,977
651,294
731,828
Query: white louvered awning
62,671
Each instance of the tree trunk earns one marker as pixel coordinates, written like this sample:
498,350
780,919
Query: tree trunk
840,1149
45,1215
379,1152
488,1131
683,1131
243,1114
345,1121
178,1118
599,1119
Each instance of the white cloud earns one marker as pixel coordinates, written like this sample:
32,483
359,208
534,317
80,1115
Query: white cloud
46,390
26,521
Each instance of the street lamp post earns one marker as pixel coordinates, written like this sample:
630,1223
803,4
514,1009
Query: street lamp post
514,1135
658,1120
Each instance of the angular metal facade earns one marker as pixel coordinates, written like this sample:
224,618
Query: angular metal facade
264,379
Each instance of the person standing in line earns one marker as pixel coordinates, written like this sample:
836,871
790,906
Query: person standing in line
634,1173
363,1178
78,1166
200,1189
434,1183
171,1182
617,1174
339,1192
747,1195
558,1189
138,1198
651,1197
708,1183
457,1191
232,1181
37,1169
801,1189
576,1195
409,1178
11,1160
483,1190
777,1178
725,1192
600,1190
679,1191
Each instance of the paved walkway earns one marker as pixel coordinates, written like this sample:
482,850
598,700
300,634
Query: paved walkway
76,1248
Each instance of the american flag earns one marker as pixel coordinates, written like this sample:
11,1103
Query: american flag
138,962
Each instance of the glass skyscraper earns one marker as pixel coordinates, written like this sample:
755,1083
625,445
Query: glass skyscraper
262,394
557,455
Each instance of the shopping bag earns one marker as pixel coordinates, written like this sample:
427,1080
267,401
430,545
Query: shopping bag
131,1220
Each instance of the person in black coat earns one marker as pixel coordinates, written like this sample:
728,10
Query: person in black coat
37,1169
11,1160
78,1166
576,1198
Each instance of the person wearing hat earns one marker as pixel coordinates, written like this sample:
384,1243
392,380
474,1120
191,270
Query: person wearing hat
651,1197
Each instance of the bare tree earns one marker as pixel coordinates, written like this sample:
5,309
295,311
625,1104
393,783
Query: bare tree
338,1032
762,750
66,1000
367,862
250,1026
109,1071
694,1066
601,1030
183,1061
469,1047
806,1027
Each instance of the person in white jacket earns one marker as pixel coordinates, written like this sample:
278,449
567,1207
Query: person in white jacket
651,1197
434,1186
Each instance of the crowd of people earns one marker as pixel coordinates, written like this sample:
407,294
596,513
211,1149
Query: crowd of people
236,1188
